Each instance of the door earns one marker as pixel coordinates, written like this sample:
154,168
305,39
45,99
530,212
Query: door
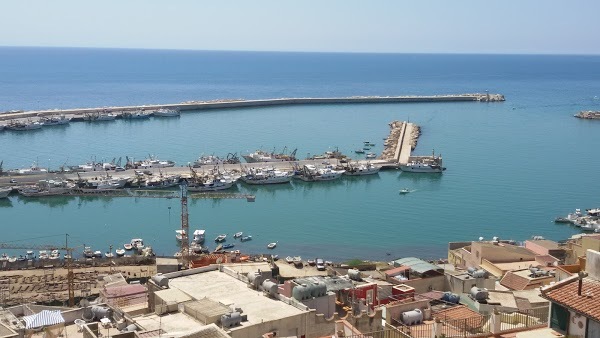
559,318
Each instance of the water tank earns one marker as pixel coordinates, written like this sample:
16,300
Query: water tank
451,297
101,312
161,280
255,279
354,274
479,294
270,287
479,274
301,292
318,290
231,319
470,271
412,317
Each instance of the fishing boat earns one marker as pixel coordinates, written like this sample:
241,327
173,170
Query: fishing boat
207,160
246,238
54,254
359,151
46,188
29,255
164,112
210,184
238,234
289,259
97,254
34,169
370,156
221,238
404,191
310,173
570,218
361,169
43,254
228,246
87,252
23,125
369,144
137,244
136,115
261,176
120,252
55,120
425,164
198,236
100,116
152,162
263,156
271,245
4,192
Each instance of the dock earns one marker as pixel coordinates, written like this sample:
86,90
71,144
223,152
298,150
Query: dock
78,113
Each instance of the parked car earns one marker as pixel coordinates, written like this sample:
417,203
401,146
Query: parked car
320,264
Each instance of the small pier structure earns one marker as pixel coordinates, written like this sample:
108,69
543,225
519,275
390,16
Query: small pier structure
401,141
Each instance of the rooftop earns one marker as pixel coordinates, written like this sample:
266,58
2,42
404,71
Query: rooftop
522,280
332,283
178,323
515,265
545,243
416,264
565,293
234,293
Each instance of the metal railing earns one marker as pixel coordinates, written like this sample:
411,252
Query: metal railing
523,318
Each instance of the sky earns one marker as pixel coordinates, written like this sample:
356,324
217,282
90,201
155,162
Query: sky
384,26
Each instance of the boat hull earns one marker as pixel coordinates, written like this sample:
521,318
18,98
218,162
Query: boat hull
421,169
270,180
362,172
207,188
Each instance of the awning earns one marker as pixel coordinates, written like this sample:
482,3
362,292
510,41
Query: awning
44,318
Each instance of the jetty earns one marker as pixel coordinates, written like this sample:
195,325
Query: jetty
588,115
79,113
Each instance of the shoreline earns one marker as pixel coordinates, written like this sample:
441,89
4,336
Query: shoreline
241,103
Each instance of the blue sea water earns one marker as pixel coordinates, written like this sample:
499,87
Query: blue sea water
512,166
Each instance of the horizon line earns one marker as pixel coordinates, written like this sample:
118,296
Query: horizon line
307,52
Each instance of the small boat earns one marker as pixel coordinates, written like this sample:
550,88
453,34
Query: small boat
179,234
311,262
166,112
4,257
289,259
127,246
120,252
238,234
328,263
43,254
108,255
246,238
404,191
55,120
228,246
29,255
368,144
199,236
570,218
219,247
371,156
54,254
221,238
359,151
271,245
12,259
297,261
98,254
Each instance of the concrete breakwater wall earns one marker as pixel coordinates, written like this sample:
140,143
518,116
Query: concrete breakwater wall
224,104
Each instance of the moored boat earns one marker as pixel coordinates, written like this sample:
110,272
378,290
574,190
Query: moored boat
263,156
198,236
164,112
261,176
23,125
271,245
370,156
120,252
238,234
310,173
361,169
289,259
55,120
136,115
152,162
425,164
5,191
179,234
228,246
246,238
570,218
221,238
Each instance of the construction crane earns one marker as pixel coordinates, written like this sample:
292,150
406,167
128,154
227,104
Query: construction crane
68,261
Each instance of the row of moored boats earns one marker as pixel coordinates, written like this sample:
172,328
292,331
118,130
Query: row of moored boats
588,222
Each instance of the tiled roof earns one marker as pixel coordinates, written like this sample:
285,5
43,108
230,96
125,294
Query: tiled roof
565,294
396,271
460,316
514,282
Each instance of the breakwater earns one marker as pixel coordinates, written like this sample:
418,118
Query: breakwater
241,103
588,115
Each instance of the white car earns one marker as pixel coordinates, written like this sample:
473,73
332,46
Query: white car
320,264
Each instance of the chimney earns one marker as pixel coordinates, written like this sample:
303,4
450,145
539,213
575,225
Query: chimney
582,275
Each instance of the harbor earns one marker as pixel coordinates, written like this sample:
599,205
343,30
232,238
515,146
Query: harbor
588,115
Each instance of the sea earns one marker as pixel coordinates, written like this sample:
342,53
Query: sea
512,166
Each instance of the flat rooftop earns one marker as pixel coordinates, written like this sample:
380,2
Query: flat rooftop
234,293
515,265
176,322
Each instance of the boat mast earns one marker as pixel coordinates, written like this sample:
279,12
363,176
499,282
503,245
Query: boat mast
185,244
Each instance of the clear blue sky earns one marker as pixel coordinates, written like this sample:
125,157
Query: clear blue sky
563,27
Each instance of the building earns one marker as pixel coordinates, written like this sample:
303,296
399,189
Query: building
417,273
546,247
575,301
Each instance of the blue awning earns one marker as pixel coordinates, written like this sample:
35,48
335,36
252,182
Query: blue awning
44,318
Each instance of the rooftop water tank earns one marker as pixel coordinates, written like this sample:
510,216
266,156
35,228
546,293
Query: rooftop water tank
412,317
479,274
161,280
318,290
451,297
101,312
354,274
255,279
471,270
479,294
301,292
231,319
270,287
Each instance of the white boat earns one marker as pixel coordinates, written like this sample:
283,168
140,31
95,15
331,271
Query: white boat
104,116
109,255
311,261
87,252
33,170
370,156
199,236
137,243
570,218
221,238
297,261
211,184
23,126
4,257
361,169
167,112
289,259
120,252
310,173
246,238
55,120
428,164
43,254
179,234
136,115
404,191
4,192
29,255
98,254
54,254
160,182
271,245
127,246
153,162
238,234
266,176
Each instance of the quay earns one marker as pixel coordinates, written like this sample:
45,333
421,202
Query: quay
588,115
241,103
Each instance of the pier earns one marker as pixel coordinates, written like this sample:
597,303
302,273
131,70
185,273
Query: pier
78,113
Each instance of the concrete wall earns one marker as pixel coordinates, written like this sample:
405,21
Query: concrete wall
393,312
461,285
323,305
422,285
592,264
577,324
